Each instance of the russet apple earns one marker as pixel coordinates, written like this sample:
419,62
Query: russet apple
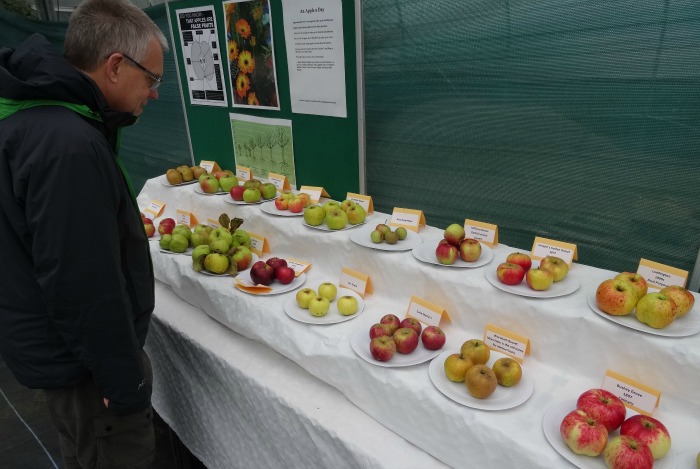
508,371
391,237
520,258
557,266
626,452
313,215
173,176
454,234
456,367
446,253
656,310
401,232
476,350
583,434
649,431
303,297
539,279
683,298
481,381
603,406
616,297
433,338
382,348
413,324
319,306
509,273
406,340
327,290
376,236
470,250
347,305
638,282
384,228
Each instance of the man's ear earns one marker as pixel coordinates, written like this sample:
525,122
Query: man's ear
112,67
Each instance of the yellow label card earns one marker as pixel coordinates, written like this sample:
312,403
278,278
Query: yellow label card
258,244
250,287
210,166
661,276
186,218
355,281
408,218
482,232
315,193
244,173
155,208
364,200
213,222
543,247
635,395
426,312
510,343
299,267
280,181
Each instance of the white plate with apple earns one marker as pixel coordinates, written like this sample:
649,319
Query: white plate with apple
324,227
294,311
276,287
360,344
362,237
501,399
164,181
198,190
550,425
425,252
270,208
243,202
566,286
683,326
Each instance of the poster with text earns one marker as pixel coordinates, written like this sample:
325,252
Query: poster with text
264,145
251,54
202,56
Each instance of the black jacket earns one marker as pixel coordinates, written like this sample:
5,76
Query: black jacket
76,279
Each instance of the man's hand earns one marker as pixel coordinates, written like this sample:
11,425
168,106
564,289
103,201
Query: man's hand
106,402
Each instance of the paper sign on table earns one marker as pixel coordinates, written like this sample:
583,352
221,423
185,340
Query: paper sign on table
315,193
210,166
186,218
355,281
364,200
280,181
635,395
155,208
543,247
408,218
510,343
213,223
243,173
483,232
251,287
299,267
661,276
258,244
426,312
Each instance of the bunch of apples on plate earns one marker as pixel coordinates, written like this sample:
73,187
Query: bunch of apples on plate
221,250
177,240
383,233
587,430
183,173
469,366
518,266
274,268
454,245
391,335
253,191
295,203
219,181
628,291
336,215
318,303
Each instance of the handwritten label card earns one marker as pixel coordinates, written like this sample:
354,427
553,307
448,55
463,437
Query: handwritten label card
315,193
280,181
543,247
155,208
408,218
186,218
636,396
258,244
299,267
355,281
483,232
210,166
661,276
426,312
364,200
243,173
508,342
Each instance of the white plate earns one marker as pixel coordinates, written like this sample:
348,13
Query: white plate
241,202
502,398
198,190
361,237
688,458
188,251
333,317
255,259
360,344
269,208
277,287
562,288
682,327
550,426
324,227
425,252
164,181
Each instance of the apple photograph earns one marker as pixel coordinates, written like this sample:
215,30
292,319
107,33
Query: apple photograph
251,54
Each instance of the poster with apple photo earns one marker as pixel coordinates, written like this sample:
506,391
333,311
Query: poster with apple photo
251,54
264,145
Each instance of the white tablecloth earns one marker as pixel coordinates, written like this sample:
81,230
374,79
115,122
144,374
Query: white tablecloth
571,346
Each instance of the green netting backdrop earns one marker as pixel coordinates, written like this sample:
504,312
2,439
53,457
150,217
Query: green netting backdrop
573,120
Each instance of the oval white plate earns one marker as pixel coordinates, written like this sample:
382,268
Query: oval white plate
198,190
241,202
682,327
425,252
360,344
562,288
206,272
269,208
502,398
333,317
164,181
324,227
277,287
362,238
188,251
550,426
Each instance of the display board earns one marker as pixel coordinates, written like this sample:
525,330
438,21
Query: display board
326,149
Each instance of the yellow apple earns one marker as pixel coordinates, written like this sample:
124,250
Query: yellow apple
656,310
508,371
683,298
557,266
456,367
476,350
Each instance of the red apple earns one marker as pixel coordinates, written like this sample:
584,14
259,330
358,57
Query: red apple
282,203
520,258
382,348
276,262
392,320
470,250
433,338
261,273
446,253
649,431
683,298
150,229
406,340
236,193
146,220
626,452
510,274
412,323
583,434
616,297
603,406
379,329
454,234
285,275
166,226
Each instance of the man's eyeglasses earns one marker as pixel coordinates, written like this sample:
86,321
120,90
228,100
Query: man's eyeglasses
157,80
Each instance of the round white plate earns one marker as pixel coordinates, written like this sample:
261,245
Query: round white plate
688,458
502,398
277,287
360,344
164,181
188,251
324,227
269,208
425,252
206,272
241,202
333,317
682,327
198,190
361,237
550,426
562,288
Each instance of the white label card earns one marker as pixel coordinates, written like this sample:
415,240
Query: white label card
542,250
183,218
297,266
657,278
632,396
353,283
424,314
243,173
479,233
505,344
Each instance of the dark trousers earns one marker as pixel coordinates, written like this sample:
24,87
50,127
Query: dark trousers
92,438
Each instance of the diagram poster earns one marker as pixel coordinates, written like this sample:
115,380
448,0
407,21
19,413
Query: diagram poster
251,54
202,56
264,145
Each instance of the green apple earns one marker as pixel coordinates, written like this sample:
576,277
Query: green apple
202,228
356,214
253,184
327,290
251,195
216,263
376,236
199,251
165,241
179,243
330,205
336,219
199,238
347,305
183,230
203,176
401,232
228,182
221,233
346,204
319,306
240,237
383,228
304,296
656,310
268,191
314,215
209,184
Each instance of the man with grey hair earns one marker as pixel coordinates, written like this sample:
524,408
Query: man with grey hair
75,265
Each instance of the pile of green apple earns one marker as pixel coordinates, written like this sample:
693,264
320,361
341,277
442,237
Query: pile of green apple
383,233
628,291
318,303
470,366
391,335
518,266
335,214
295,203
221,250
253,191
177,239
218,181
454,244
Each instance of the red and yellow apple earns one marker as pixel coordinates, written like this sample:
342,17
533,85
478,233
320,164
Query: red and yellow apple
616,297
